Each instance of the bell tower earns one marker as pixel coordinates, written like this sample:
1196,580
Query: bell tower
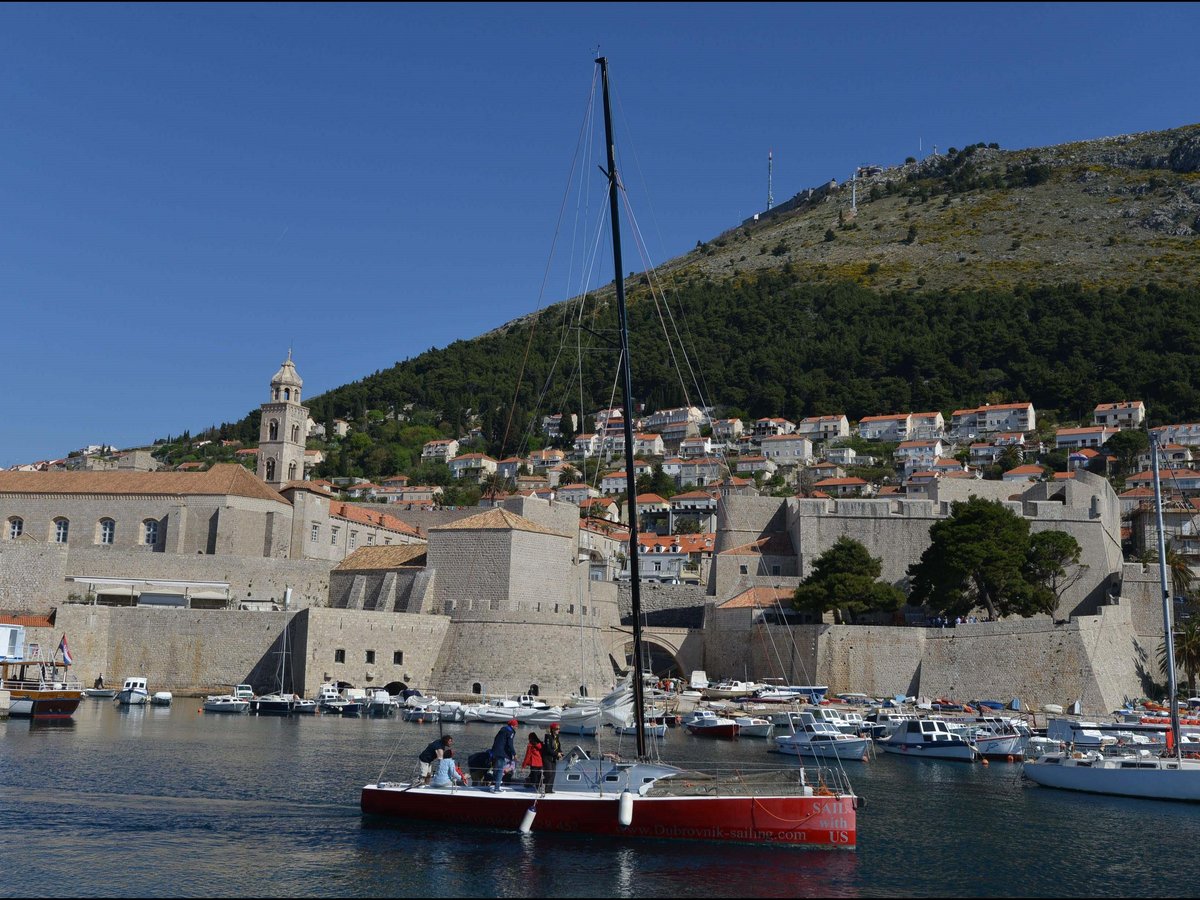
283,430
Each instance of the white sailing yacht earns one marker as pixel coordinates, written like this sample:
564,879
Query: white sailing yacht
1140,772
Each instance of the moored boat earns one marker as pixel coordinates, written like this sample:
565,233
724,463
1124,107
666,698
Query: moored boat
706,723
133,692
38,688
928,739
225,703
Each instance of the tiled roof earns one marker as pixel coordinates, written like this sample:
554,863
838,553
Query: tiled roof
759,598
370,517
495,520
384,557
223,479
29,621
839,482
688,543
771,545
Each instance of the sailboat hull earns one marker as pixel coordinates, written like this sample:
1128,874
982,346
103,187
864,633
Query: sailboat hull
802,821
1153,780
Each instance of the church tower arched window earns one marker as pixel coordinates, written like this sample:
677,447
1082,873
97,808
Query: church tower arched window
270,470
273,430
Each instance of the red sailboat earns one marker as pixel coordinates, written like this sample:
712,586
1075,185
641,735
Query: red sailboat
642,798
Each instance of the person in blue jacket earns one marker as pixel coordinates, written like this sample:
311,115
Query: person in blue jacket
503,752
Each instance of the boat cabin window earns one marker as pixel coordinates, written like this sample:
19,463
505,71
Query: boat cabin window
574,777
612,777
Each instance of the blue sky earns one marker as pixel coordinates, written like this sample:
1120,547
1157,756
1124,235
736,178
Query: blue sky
190,190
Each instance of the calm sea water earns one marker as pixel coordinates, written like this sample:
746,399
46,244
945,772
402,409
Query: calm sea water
170,802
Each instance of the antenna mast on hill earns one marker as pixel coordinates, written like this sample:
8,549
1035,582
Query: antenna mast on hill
854,190
770,161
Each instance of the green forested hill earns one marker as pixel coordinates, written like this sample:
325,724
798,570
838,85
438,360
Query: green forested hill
1065,276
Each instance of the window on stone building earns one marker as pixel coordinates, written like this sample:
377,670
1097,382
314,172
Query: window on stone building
398,658
291,471
370,538
339,656
108,531
387,541
16,527
316,533
476,688
150,532
61,529
273,430
774,570
745,570
333,534
370,657
295,434
270,470
353,539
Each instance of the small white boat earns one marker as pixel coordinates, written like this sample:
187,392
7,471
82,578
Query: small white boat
225,703
302,707
652,730
929,739
133,692
100,693
380,705
731,690
161,698
820,739
753,726
706,723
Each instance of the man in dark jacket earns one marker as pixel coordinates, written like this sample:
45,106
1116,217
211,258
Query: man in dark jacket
433,753
503,752
551,754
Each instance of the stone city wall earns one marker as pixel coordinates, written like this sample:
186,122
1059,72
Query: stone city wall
33,576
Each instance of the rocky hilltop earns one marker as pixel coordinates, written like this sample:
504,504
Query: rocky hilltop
1117,210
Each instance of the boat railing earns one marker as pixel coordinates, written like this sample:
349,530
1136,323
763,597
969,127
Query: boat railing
828,781
41,684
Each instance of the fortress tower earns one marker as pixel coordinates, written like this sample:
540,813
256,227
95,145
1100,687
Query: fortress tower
281,434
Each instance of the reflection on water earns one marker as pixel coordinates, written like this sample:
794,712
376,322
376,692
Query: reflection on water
166,801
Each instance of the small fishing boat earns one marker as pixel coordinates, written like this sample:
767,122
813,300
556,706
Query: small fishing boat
225,703
161,698
816,738
133,692
754,726
929,739
706,723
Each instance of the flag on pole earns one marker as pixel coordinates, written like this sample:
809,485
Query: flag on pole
66,654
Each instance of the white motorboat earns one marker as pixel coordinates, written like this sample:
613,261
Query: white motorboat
706,723
380,705
161,698
225,703
651,729
731,690
133,692
929,739
816,738
303,707
754,726
1132,772
998,738
332,700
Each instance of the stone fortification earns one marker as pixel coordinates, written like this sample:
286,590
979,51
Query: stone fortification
1100,659
668,605
33,576
368,649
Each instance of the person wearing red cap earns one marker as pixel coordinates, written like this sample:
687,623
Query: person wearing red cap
503,752
551,754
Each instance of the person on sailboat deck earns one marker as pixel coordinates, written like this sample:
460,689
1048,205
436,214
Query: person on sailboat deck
434,753
503,752
447,772
533,761
551,754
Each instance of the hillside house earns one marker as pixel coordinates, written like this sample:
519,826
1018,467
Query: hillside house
787,449
440,451
770,426
1126,414
473,466
1092,436
989,419
824,428
891,428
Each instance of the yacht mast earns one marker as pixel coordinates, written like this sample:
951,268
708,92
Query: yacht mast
1172,689
627,400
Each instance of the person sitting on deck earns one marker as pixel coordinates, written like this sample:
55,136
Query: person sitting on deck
446,773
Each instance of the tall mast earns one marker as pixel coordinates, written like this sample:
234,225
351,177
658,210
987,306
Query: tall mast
1172,689
627,399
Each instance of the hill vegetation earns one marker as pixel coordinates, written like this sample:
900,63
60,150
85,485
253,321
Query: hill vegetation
1065,276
